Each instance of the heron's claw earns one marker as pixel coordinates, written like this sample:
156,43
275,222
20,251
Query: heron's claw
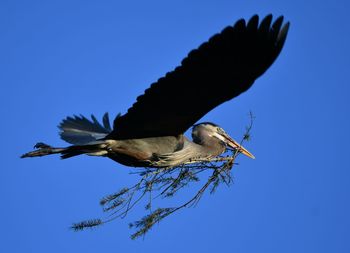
41,145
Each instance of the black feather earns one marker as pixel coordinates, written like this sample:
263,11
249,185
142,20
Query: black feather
219,70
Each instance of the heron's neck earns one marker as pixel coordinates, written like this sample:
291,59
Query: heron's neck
189,153
210,147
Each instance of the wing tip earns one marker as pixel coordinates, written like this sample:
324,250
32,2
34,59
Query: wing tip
282,35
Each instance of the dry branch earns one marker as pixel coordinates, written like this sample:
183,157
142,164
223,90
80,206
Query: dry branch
165,183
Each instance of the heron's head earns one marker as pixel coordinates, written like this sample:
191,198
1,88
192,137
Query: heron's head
202,131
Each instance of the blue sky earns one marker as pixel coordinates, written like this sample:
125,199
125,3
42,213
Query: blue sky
60,58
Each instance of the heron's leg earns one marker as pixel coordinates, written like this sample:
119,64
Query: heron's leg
42,149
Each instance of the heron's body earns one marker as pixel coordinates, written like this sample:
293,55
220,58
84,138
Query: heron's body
151,133
145,152
167,151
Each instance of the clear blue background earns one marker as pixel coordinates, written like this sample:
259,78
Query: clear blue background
59,58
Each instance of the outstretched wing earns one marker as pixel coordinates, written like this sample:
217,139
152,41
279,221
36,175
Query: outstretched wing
217,71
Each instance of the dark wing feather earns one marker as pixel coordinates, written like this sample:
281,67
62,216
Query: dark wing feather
217,71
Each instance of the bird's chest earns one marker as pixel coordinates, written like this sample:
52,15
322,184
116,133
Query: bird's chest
140,152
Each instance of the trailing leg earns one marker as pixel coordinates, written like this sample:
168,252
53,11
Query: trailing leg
96,148
43,149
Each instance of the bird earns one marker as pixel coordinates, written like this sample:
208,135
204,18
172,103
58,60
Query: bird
151,132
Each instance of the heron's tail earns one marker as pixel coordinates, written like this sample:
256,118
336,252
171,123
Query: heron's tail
97,148
79,130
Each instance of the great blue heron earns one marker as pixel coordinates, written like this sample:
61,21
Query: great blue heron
151,133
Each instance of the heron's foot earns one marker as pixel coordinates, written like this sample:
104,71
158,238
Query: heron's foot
42,149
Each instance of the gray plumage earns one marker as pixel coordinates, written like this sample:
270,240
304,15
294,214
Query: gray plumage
78,130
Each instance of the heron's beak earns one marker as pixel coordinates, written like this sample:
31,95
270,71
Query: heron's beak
235,145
